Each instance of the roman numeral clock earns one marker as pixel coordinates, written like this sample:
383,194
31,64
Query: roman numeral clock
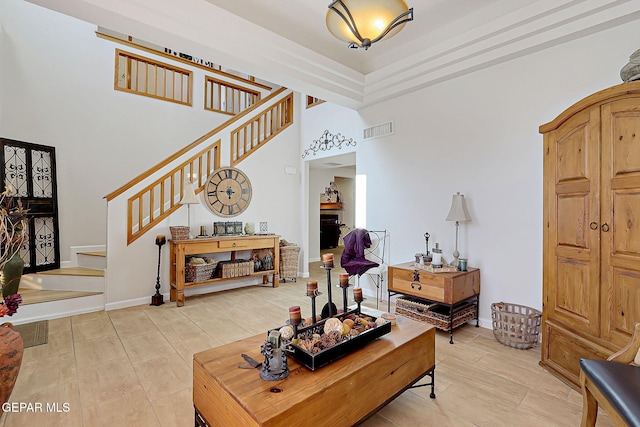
227,192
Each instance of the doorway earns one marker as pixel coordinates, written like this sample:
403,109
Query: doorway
31,171
341,170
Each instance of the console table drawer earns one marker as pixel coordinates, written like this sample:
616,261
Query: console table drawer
233,244
245,243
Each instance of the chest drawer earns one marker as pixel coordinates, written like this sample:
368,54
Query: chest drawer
417,283
448,288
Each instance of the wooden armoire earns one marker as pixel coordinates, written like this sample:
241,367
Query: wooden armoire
591,236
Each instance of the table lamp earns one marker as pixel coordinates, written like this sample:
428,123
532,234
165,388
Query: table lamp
189,198
457,213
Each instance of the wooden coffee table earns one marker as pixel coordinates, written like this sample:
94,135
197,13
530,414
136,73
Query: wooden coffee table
345,392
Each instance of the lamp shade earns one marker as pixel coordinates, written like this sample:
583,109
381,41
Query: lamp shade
371,18
189,195
458,211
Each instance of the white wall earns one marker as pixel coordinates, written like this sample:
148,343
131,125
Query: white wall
57,90
478,134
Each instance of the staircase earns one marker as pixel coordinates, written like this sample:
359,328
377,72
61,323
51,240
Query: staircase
71,290
145,204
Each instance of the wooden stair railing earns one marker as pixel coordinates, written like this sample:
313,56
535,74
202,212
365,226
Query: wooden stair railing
253,134
161,198
228,98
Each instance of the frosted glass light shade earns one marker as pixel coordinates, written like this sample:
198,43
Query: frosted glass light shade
371,18
458,211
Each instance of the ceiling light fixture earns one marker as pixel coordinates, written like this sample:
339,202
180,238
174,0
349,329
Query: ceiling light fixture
364,22
326,142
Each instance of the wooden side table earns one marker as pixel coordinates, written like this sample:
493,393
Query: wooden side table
456,291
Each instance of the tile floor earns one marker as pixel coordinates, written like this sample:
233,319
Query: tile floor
133,367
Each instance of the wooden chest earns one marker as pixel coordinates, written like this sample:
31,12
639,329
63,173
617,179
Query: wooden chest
448,288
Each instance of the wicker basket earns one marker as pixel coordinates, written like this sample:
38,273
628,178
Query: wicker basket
198,272
289,262
434,313
515,325
180,232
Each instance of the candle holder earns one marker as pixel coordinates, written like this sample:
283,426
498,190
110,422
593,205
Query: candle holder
330,309
295,318
158,299
312,292
357,296
275,366
344,284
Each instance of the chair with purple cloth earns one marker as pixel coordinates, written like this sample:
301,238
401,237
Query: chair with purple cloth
364,253
613,384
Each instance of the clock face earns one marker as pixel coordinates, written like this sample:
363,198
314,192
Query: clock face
227,192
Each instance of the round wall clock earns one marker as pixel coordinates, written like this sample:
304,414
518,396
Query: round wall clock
227,192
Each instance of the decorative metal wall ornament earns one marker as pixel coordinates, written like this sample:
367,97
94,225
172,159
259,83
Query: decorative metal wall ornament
328,141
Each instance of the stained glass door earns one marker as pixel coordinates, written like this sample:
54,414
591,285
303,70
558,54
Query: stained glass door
30,169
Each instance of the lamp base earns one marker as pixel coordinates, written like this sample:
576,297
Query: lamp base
157,299
455,254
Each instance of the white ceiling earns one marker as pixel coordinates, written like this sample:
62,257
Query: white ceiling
286,41
303,21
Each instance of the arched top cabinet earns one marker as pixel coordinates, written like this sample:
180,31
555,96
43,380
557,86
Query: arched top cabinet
591,229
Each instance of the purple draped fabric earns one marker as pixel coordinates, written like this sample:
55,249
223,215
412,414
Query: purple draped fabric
352,259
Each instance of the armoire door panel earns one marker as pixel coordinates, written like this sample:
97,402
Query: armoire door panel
620,205
625,226
626,140
573,220
624,293
575,296
571,153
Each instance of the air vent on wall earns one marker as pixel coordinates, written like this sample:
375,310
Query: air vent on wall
378,131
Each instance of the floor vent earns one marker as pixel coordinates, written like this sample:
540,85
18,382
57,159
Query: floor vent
379,130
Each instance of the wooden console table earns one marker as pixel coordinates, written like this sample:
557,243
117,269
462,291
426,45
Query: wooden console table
454,290
179,249
345,392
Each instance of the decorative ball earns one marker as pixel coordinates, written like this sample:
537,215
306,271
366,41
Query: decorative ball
286,332
333,324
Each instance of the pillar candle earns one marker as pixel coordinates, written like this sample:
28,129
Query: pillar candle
295,317
344,280
312,287
327,259
436,259
357,294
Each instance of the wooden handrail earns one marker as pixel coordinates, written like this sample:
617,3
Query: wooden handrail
159,199
191,146
184,61
257,131
227,98
145,76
